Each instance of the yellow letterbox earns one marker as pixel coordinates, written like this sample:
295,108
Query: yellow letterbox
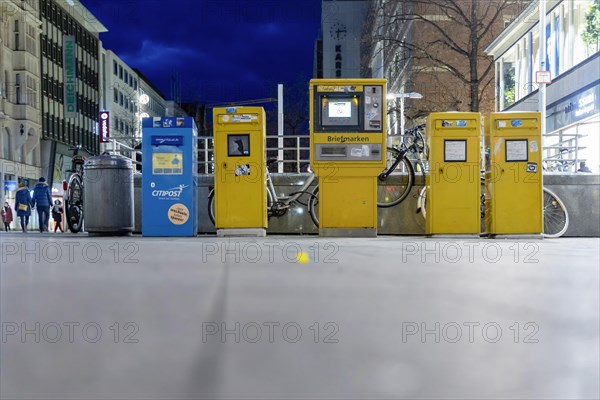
348,150
513,177
453,181
240,162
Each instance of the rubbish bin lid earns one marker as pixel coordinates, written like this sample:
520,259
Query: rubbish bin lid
108,161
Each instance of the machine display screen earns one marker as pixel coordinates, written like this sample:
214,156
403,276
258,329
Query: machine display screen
339,111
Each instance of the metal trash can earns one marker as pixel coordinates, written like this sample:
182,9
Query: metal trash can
137,203
108,195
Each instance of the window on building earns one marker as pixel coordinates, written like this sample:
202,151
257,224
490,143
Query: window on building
121,99
115,68
18,89
126,78
507,72
16,40
5,85
120,71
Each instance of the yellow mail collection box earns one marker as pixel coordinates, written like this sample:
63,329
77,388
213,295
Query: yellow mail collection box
453,182
348,150
240,162
513,177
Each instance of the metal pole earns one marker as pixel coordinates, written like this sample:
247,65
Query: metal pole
280,128
396,122
297,154
542,91
402,114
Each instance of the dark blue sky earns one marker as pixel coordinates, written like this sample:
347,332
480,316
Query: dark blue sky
223,50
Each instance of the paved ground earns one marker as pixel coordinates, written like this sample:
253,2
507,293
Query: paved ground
298,317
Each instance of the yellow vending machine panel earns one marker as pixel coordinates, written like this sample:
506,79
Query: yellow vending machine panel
513,176
240,204
348,150
453,182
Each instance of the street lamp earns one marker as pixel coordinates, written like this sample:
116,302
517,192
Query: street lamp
402,96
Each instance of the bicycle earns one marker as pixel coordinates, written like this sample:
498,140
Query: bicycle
74,191
399,165
277,206
555,214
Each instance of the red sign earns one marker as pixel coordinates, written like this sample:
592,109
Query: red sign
104,126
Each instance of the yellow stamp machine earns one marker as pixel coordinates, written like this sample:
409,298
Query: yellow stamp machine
348,150
453,182
513,177
240,180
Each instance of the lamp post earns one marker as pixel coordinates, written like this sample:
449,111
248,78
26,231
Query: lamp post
402,96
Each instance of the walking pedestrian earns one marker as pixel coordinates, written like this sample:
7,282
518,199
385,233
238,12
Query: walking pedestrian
42,200
57,211
23,205
7,216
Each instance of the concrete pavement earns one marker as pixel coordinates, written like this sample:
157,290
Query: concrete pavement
293,317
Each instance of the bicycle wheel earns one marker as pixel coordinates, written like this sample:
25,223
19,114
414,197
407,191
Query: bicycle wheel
556,217
211,206
74,209
415,138
422,202
313,206
403,178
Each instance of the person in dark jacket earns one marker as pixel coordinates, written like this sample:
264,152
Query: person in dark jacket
42,200
7,216
23,205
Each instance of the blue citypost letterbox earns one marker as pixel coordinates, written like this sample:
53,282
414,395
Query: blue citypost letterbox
169,177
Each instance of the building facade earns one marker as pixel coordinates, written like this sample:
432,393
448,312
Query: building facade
70,52
20,109
153,102
338,51
436,50
572,97
120,96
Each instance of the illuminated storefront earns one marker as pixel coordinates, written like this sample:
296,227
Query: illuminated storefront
573,97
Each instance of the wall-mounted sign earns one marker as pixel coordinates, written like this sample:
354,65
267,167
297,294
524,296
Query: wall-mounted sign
144,99
543,77
69,76
578,107
10,186
104,126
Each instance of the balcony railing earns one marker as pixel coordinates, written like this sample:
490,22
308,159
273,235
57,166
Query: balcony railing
296,151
